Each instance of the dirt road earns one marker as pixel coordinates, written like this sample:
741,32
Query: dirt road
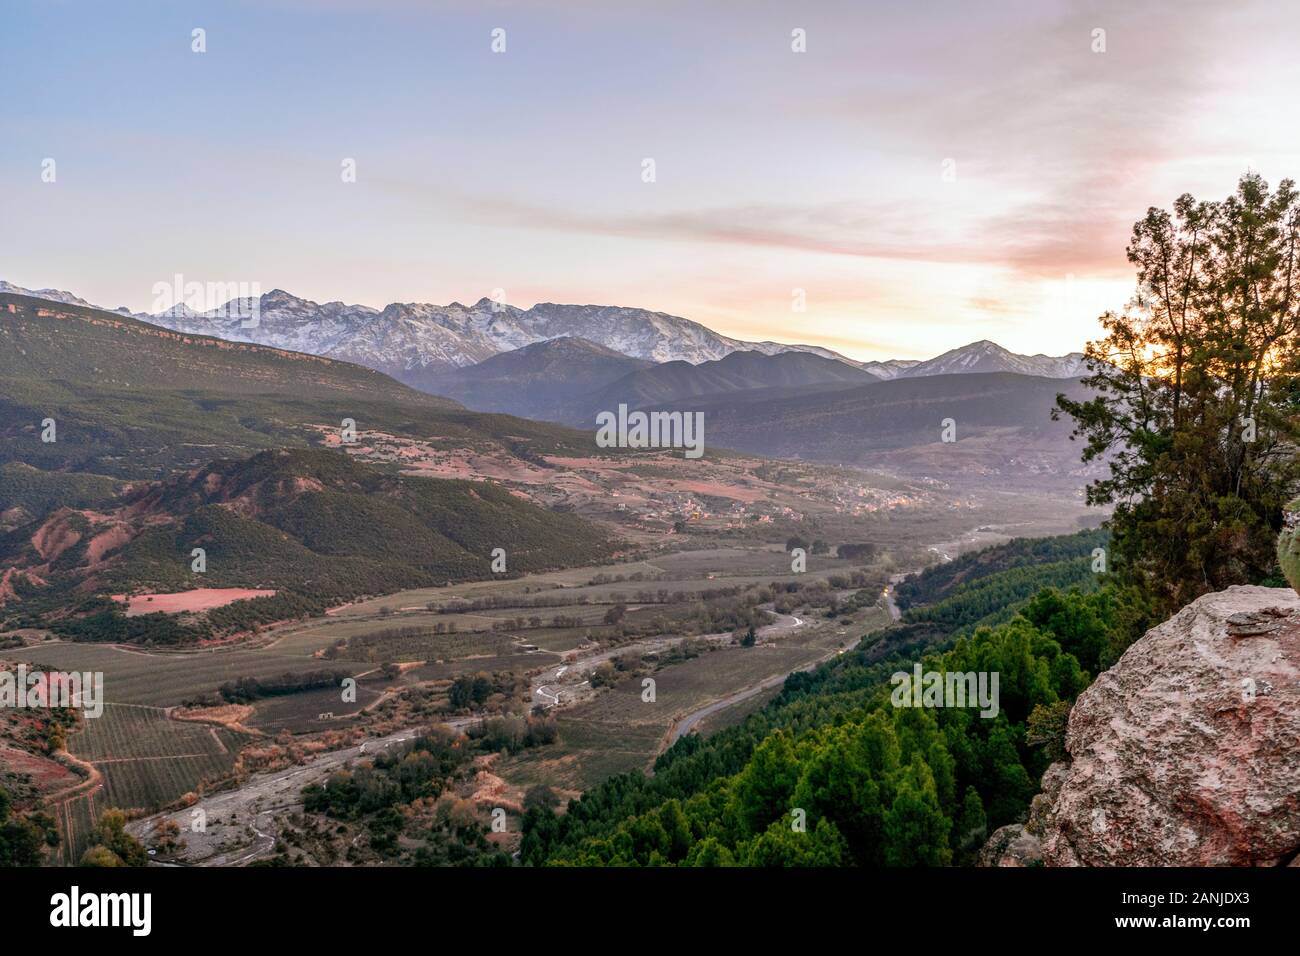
570,683
238,826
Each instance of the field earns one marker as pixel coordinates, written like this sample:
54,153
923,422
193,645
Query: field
76,819
506,627
302,712
150,760
619,731
180,602
164,679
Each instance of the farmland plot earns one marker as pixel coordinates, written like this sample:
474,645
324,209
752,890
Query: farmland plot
165,679
76,818
618,731
149,760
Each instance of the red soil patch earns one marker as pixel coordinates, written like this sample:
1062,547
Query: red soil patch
7,581
107,541
54,537
46,775
179,602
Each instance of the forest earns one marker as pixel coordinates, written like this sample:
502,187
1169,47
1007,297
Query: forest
830,773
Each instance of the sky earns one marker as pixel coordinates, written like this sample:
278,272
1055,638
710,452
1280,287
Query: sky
920,176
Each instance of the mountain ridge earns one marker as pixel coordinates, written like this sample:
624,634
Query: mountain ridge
417,342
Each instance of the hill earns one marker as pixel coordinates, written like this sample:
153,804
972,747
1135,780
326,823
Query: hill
132,400
1001,423
547,380
314,526
674,383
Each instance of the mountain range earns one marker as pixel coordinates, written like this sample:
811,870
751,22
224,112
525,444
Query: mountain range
423,344
208,392
132,400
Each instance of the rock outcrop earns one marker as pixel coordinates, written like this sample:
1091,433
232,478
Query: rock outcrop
1185,753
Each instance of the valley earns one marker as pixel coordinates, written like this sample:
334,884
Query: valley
596,439
168,737
382,567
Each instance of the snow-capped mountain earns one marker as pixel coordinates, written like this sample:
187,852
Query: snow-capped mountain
419,343
54,295
894,368
986,356
414,337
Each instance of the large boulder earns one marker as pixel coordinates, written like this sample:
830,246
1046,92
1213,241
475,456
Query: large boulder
1187,751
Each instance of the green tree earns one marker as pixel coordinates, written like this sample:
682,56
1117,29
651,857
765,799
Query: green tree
100,856
915,829
1008,787
678,828
780,845
23,839
1197,383
971,828
1046,728
762,792
110,835
710,852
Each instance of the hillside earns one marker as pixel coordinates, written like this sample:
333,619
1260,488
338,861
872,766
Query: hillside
66,342
1002,422
880,785
547,380
674,383
314,526
131,400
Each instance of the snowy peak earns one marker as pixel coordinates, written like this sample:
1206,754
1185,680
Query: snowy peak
418,342
986,356
894,368
54,295
406,336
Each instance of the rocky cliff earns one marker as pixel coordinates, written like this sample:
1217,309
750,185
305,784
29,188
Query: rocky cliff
1185,753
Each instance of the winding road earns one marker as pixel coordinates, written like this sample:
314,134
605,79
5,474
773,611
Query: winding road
254,805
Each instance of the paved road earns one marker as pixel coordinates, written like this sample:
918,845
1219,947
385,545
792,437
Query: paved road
687,723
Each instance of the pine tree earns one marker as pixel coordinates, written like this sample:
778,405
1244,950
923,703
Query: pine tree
1198,389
